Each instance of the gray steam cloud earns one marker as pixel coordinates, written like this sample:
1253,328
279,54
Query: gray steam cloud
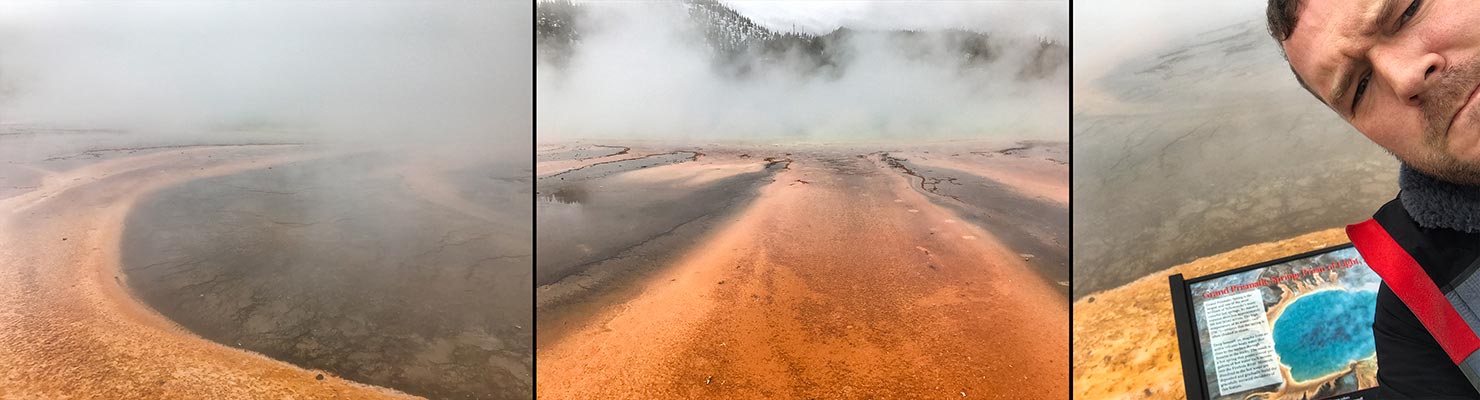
644,70
409,229
1111,32
351,71
1034,19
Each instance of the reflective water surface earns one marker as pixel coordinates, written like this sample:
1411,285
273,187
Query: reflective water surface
358,265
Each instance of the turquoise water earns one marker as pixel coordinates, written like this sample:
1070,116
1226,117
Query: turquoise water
1323,332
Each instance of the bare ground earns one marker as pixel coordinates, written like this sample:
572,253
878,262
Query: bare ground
839,280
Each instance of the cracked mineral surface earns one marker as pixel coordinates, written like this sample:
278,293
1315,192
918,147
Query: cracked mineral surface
1032,224
803,271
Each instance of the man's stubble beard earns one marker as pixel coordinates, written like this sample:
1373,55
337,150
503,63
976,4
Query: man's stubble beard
1453,90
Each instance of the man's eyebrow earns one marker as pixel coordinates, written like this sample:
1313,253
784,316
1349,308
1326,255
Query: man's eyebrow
1371,23
1343,83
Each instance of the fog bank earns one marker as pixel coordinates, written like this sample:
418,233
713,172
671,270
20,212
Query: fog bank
364,71
701,71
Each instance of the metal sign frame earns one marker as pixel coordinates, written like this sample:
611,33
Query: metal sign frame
1193,375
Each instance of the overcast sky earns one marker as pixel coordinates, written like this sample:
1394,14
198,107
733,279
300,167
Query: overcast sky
644,50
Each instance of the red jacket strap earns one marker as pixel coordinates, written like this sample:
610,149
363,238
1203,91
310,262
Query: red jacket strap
1407,279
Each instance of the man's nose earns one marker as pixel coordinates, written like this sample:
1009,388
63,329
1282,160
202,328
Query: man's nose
1409,67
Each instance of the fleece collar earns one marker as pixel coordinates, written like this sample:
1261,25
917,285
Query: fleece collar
1437,204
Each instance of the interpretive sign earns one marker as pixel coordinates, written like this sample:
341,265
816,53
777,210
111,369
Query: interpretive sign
1295,328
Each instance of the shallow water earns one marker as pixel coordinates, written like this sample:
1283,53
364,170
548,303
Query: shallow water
603,169
1166,173
585,218
335,265
1026,224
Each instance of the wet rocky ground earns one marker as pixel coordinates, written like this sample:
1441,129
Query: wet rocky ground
1035,227
336,264
582,152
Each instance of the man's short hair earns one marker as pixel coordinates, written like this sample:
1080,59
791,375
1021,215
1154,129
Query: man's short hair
1281,14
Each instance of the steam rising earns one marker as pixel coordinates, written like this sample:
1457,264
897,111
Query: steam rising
348,71
393,249
647,71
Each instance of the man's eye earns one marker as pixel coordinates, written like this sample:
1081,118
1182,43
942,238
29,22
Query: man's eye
1408,14
1361,89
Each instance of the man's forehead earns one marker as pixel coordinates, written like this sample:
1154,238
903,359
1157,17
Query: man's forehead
1325,40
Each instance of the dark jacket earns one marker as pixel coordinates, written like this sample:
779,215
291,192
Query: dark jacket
1438,224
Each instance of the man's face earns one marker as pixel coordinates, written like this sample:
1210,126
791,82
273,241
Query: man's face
1403,72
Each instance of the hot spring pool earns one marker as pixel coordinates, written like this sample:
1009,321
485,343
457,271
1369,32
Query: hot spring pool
1323,332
